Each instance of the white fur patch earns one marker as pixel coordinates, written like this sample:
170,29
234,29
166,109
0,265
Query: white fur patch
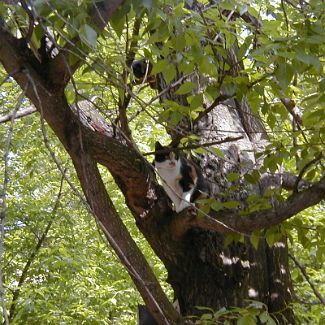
170,173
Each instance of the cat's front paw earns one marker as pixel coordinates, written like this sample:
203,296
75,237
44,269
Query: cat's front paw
181,206
186,205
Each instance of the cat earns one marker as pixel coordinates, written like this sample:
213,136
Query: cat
182,180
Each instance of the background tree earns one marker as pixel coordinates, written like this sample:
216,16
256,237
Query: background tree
239,86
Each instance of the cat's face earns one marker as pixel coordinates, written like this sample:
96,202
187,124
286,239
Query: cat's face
165,160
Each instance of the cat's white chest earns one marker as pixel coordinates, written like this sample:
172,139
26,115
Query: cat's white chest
170,175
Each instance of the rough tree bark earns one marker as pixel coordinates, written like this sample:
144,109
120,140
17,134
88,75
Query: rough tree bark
205,272
201,270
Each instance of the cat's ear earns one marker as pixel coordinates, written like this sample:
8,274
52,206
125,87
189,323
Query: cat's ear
158,146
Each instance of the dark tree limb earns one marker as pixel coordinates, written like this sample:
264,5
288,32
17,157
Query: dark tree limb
232,221
281,211
123,103
131,173
304,169
195,146
31,22
121,241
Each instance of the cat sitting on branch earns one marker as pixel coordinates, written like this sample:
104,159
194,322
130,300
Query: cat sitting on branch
182,180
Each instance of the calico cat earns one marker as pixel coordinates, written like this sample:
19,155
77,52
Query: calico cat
182,180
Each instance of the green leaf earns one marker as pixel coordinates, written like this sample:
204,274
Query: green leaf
230,204
185,88
321,85
253,177
255,238
118,21
271,321
284,74
233,177
272,235
246,320
213,92
243,49
216,205
88,35
207,317
147,4
195,101
218,152
169,73
309,59
159,66
228,239
249,178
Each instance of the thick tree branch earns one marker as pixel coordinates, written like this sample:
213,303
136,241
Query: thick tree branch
100,14
121,241
131,172
281,211
21,113
229,221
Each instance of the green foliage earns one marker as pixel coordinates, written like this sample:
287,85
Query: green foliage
255,313
74,277
307,237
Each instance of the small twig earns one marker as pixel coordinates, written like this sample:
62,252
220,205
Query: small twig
310,303
8,76
285,15
4,201
290,105
306,276
303,170
214,104
292,4
29,34
194,146
130,55
164,91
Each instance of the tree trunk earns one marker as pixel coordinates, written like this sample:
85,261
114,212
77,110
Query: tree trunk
203,271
